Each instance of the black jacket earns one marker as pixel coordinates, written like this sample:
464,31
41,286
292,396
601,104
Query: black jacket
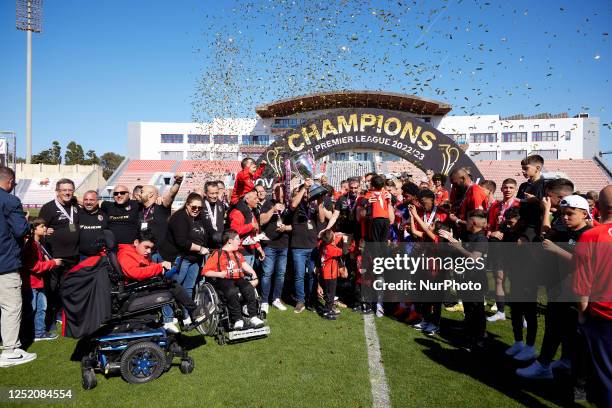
183,231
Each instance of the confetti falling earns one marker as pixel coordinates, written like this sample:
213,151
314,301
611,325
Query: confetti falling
281,49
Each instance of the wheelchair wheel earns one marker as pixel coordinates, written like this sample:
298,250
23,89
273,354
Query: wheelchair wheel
206,297
142,362
187,365
89,380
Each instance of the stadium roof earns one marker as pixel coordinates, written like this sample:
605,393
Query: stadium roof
353,99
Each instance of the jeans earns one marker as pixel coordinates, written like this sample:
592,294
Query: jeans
304,268
186,276
37,301
275,261
156,257
250,259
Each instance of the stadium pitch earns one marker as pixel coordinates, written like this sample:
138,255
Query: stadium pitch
306,362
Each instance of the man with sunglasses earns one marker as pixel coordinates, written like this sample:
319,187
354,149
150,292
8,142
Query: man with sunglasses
123,215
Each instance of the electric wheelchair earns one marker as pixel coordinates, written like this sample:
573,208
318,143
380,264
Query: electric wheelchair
218,324
129,340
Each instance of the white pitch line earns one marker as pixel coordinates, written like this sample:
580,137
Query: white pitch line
378,380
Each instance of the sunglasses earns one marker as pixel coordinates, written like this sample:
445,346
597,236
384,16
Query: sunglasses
118,193
195,207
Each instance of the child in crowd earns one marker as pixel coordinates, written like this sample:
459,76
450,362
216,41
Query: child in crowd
473,245
36,261
489,188
330,249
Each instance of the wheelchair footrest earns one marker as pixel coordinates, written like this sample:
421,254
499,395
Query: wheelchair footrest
248,333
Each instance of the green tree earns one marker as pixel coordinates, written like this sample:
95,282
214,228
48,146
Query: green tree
56,153
109,162
92,158
49,156
74,154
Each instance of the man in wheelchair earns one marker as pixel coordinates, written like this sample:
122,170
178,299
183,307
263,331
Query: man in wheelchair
228,271
136,264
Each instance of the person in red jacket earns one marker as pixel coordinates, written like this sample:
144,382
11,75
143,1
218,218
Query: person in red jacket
36,261
135,261
474,198
330,249
245,179
242,220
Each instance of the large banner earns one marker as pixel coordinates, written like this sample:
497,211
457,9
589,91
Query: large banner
388,131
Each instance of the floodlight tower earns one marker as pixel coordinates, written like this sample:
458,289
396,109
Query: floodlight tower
29,19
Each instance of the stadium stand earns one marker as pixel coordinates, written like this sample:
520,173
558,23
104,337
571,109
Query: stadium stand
586,174
340,170
36,182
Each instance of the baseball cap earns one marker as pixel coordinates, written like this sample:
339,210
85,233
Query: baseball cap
576,201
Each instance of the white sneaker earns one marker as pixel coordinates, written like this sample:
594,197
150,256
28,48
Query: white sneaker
187,321
526,354
494,308
535,371
265,307
563,364
497,316
431,329
15,357
171,327
380,312
256,322
239,325
279,305
516,348
420,325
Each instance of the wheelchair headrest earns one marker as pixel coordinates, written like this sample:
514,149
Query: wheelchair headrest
109,240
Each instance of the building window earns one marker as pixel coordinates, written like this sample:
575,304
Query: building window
171,138
491,155
483,137
172,155
521,127
545,136
256,140
552,125
568,135
547,154
514,137
198,139
286,123
513,154
226,139
459,138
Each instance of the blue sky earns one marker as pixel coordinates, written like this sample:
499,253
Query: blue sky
101,64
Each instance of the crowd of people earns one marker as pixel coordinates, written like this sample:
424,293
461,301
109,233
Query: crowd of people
244,241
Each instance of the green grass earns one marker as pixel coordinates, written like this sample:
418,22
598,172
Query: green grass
305,361
308,361
432,371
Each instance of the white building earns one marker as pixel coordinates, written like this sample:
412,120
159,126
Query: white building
486,137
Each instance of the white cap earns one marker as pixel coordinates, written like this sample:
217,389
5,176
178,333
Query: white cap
576,201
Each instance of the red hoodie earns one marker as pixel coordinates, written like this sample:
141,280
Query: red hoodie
329,257
135,266
34,265
245,182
